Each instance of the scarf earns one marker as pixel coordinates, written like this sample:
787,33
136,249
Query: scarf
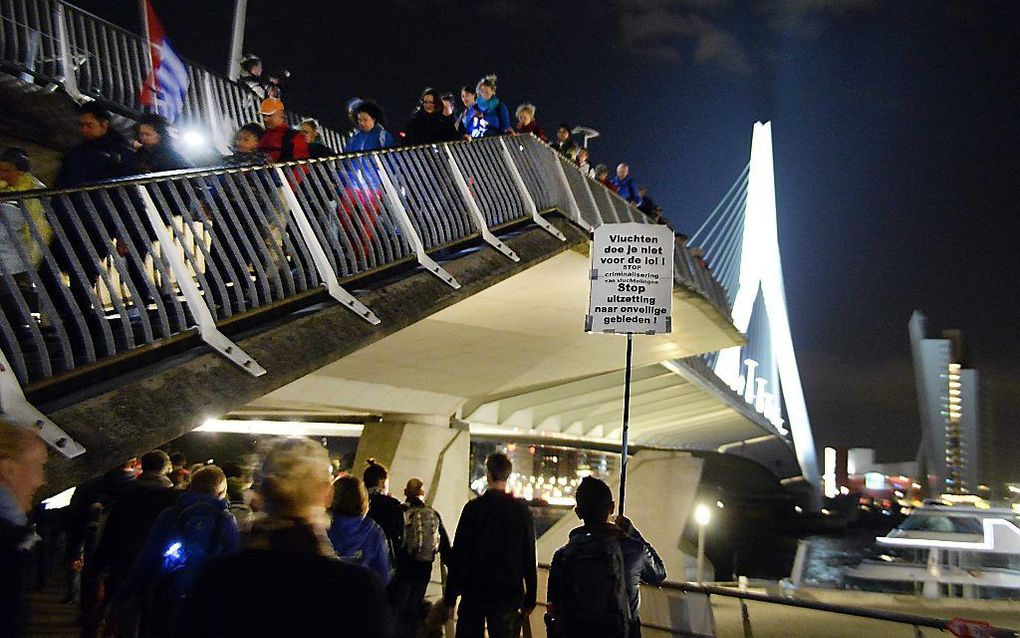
487,105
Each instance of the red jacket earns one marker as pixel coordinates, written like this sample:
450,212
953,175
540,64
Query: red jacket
283,144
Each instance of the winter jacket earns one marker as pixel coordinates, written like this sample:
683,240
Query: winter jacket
131,518
15,540
533,128
429,128
377,138
641,563
109,157
360,541
29,182
253,158
626,188
148,562
162,157
389,514
298,587
318,149
284,144
493,557
490,118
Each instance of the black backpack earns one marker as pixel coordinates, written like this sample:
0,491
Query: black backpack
592,586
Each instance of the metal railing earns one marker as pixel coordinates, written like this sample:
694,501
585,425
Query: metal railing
109,63
104,269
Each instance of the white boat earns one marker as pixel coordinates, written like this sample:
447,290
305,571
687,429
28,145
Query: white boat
947,552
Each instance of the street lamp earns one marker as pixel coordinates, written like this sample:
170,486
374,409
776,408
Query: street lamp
702,516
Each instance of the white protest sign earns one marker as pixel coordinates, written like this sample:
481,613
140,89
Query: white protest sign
631,279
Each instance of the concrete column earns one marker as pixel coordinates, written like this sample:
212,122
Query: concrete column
426,446
661,487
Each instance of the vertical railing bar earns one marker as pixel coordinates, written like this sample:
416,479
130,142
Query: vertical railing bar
529,203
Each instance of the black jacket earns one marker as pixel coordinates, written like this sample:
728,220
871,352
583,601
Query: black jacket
13,566
131,518
426,128
493,556
641,563
388,513
164,157
109,157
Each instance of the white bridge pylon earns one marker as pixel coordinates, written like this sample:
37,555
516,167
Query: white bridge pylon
761,270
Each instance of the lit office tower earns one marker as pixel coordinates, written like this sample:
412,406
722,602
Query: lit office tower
947,396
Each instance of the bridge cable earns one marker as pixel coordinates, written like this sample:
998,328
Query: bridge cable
705,224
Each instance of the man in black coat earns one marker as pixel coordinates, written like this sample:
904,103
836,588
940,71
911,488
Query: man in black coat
640,564
22,461
493,567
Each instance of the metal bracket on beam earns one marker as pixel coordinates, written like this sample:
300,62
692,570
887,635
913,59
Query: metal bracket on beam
525,195
206,324
318,253
575,210
14,405
397,207
476,212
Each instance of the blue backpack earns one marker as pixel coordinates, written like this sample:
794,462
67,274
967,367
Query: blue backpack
194,538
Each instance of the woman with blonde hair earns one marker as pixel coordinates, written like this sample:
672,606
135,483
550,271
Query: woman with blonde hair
287,571
492,116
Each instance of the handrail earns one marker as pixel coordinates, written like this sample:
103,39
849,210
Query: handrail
110,64
913,620
197,248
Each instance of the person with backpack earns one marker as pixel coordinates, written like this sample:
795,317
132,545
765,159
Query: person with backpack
424,538
280,142
492,566
357,539
594,581
287,579
183,539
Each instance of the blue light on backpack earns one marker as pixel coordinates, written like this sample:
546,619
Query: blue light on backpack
174,551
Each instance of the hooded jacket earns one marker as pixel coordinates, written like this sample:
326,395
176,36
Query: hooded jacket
361,541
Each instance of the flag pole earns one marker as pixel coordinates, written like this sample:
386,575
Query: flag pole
150,78
237,39
626,422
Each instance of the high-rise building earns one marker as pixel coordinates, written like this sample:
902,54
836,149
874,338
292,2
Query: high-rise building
947,396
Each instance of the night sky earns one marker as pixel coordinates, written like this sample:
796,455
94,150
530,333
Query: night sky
897,146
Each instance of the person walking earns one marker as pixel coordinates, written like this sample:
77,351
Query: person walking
22,472
157,152
280,142
357,539
287,573
371,133
625,184
425,538
428,124
316,147
526,122
493,568
594,581
383,508
564,143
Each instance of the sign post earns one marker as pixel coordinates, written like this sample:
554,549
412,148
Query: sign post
631,292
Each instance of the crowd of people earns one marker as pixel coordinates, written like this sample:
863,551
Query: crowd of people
284,547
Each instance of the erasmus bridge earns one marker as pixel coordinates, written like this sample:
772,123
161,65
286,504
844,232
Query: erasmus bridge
418,298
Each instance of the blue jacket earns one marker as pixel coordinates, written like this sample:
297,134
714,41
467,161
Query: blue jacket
626,188
488,122
374,140
149,561
361,541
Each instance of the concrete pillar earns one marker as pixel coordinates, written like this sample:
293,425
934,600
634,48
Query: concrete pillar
426,446
661,487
